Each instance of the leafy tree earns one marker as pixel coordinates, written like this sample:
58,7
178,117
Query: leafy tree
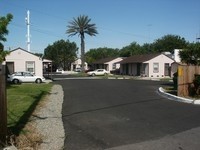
62,53
4,21
132,49
99,53
81,26
191,55
169,43
147,48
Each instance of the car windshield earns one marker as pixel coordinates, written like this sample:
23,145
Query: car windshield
18,74
27,74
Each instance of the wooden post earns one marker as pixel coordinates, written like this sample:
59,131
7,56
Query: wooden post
180,81
3,104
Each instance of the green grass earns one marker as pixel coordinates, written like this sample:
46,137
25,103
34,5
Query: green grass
21,102
171,90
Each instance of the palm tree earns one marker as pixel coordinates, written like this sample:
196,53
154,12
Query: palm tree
80,26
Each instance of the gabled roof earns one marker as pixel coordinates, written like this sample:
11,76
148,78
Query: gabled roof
19,48
139,58
104,60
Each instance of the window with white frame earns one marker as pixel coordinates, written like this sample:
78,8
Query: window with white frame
155,67
30,66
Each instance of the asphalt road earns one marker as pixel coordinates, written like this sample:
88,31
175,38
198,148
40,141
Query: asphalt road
101,114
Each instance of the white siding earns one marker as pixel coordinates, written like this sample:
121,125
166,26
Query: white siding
110,64
20,57
77,64
161,60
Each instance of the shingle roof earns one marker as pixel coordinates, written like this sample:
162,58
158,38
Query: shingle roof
104,60
139,58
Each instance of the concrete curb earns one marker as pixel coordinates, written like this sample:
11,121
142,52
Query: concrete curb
176,98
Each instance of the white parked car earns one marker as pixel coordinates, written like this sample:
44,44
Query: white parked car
19,77
60,70
97,72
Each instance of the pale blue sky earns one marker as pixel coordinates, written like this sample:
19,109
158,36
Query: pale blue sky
119,22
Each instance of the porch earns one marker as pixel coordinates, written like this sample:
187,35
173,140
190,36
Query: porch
135,69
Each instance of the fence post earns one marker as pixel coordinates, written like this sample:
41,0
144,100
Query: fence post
180,88
3,104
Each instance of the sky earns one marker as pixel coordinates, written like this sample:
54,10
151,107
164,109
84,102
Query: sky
118,22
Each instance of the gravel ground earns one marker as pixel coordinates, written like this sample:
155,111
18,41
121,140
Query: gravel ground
49,121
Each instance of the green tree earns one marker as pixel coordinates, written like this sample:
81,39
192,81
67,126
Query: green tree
169,43
4,21
62,53
132,49
146,48
99,53
81,26
191,54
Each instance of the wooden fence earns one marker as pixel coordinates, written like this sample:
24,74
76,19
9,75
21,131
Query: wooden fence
186,75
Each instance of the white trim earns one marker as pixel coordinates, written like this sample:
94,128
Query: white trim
177,98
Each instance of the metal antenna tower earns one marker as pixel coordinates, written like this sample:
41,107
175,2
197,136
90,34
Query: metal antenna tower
27,19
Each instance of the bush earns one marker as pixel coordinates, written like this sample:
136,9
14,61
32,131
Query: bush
197,83
175,79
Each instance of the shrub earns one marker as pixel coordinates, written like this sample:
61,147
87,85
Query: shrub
196,82
175,79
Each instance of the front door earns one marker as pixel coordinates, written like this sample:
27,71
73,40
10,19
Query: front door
167,69
138,69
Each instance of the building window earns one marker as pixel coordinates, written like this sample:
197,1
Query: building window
155,67
30,66
114,66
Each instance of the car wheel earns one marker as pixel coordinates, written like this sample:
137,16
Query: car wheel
38,81
93,74
15,81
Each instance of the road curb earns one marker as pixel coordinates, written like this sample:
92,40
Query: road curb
177,98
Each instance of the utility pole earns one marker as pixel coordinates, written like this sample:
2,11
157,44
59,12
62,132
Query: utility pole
27,19
3,104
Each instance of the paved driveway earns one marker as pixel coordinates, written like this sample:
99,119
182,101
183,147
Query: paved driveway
100,114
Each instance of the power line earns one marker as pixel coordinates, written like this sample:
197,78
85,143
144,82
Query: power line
42,31
64,19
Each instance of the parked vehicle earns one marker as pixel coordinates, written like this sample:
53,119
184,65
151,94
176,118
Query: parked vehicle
60,70
77,69
86,71
97,72
19,77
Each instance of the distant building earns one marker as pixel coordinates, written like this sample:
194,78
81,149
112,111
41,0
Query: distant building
77,65
109,64
147,65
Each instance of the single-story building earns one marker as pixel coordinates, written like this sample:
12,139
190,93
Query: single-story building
22,60
77,65
147,65
109,64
